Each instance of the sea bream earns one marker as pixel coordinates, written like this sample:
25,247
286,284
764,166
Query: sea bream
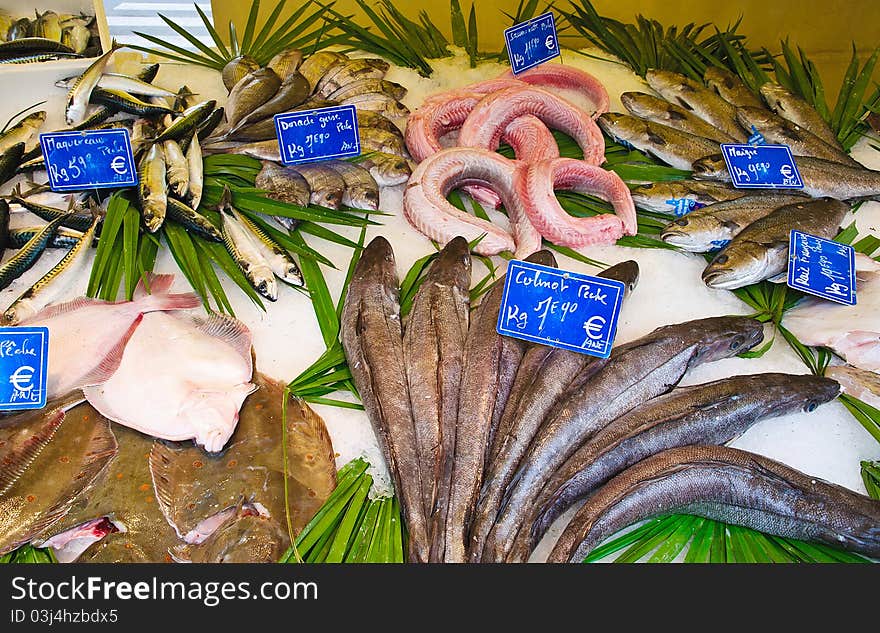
82,354
201,366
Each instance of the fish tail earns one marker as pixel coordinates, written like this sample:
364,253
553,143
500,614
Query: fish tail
159,298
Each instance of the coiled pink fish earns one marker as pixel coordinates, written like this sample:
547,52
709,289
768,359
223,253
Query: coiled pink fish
536,189
486,123
566,78
426,208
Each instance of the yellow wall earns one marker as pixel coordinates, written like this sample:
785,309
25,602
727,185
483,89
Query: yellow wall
824,28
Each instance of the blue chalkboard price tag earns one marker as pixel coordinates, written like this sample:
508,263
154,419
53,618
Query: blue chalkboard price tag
559,308
89,159
761,166
532,43
320,134
24,355
821,267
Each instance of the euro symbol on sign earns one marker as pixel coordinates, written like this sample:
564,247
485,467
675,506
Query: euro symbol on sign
785,170
593,327
118,165
550,43
22,378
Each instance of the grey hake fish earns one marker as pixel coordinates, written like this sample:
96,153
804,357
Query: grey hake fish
760,251
635,372
372,338
725,484
433,352
712,413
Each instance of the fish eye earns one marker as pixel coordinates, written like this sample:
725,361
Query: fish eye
737,342
721,259
811,406
682,222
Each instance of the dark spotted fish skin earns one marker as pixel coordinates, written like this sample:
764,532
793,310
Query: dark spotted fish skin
192,485
49,458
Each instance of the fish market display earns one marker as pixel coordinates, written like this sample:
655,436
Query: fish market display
543,377
760,251
729,485
161,442
490,439
853,332
115,495
83,354
48,36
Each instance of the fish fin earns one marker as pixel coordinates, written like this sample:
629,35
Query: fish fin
228,329
656,138
159,297
52,311
161,459
110,363
157,284
102,447
15,461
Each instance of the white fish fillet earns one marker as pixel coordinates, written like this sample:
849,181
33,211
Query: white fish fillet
181,377
858,383
87,336
853,332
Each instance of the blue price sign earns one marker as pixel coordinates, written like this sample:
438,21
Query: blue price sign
311,135
532,43
560,308
821,267
762,167
90,159
24,354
